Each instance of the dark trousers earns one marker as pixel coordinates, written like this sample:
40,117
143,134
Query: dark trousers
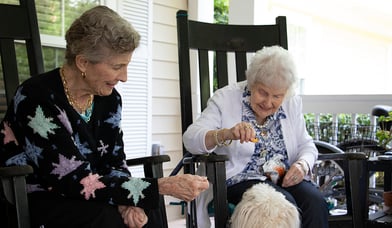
305,196
50,210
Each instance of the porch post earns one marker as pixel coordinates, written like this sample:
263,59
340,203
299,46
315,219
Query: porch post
201,10
248,12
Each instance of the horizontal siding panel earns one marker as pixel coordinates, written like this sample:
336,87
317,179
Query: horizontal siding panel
162,106
165,88
165,51
179,4
169,141
166,124
167,34
165,70
164,15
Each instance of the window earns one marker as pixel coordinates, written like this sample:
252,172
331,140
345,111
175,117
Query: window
55,16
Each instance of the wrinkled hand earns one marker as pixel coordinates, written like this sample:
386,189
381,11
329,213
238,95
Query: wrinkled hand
294,176
183,186
134,217
243,131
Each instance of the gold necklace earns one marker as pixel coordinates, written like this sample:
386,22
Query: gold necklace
71,99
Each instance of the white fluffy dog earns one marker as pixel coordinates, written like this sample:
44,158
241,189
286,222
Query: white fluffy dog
264,207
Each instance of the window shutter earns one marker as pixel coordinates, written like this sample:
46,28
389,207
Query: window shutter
136,95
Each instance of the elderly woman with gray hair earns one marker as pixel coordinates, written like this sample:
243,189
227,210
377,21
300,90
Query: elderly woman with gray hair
259,125
66,124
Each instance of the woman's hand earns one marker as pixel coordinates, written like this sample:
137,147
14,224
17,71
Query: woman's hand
134,217
294,176
242,131
183,186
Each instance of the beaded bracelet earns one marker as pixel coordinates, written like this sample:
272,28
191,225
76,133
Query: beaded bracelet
224,143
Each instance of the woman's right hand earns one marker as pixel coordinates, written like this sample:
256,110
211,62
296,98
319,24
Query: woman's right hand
242,131
183,186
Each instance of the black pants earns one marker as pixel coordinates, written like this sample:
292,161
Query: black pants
50,210
305,196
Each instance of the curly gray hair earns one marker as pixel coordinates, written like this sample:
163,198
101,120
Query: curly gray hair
99,33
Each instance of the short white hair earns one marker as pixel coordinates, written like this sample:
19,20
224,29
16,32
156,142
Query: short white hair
274,67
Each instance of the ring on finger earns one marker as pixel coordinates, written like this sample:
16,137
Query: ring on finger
294,178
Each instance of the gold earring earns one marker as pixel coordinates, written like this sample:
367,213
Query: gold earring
84,74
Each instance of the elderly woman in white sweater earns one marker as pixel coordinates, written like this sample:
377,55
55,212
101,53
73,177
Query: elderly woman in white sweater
259,125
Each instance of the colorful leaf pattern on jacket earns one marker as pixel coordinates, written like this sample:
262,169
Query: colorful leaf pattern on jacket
70,156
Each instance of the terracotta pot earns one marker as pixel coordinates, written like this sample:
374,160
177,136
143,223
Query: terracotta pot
388,202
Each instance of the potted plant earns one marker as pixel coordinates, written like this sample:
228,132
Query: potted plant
384,132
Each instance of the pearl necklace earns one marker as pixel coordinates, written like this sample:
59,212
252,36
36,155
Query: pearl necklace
264,125
263,128
71,99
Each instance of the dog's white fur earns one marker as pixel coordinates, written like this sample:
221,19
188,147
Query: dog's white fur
262,206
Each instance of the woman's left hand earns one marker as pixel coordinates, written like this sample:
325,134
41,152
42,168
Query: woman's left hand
134,217
293,176
183,186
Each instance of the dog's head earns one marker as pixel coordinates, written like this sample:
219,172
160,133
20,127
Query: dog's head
262,206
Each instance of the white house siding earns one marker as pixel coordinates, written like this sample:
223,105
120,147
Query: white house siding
166,120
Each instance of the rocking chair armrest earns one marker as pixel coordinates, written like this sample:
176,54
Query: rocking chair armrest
153,165
153,168
206,158
156,159
355,169
13,188
11,171
345,156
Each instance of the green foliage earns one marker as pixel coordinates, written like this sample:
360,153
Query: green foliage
383,134
326,127
221,11
49,15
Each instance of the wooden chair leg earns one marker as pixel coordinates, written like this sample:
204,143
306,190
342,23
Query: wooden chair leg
358,185
218,179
